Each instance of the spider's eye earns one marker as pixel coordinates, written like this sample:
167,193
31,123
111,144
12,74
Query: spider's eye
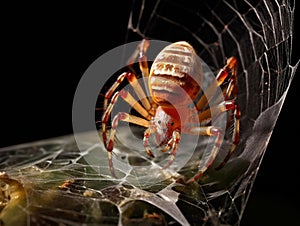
172,123
159,121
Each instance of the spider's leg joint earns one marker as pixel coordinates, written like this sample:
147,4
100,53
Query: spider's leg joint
130,77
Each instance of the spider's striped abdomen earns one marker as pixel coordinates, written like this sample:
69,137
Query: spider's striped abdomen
175,75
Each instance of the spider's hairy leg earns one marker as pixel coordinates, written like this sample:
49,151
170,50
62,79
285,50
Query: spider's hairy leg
121,116
209,155
229,69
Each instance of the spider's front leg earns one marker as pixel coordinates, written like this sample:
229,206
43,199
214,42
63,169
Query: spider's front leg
171,145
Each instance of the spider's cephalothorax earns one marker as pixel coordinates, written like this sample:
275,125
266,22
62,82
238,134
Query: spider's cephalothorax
176,104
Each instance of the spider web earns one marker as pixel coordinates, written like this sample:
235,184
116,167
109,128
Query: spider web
53,182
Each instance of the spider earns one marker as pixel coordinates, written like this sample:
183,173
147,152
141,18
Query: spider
175,99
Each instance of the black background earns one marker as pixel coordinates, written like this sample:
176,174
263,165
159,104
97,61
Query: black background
46,49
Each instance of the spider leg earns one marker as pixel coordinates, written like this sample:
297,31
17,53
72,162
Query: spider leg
131,77
209,155
168,146
121,116
126,96
235,135
111,94
229,105
226,92
140,53
231,66
133,81
175,140
172,143
229,90
216,110
146,109
147,134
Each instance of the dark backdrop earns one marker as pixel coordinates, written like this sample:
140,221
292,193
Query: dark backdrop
46,49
